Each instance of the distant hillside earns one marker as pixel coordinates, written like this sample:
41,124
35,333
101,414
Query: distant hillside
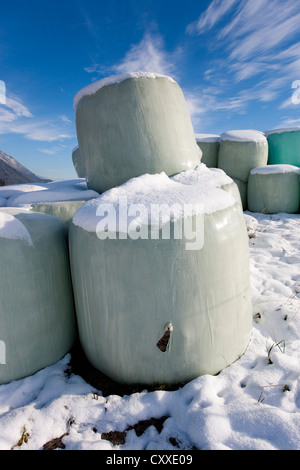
12,172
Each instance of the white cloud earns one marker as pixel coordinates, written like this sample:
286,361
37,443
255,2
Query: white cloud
214,13
15,118
148,55
257,46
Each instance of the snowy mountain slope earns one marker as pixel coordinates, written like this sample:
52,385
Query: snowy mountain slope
12,172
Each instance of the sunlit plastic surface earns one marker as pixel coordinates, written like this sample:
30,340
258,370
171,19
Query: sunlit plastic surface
274,189
138,126
37,320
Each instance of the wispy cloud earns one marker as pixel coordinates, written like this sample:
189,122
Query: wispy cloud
214,13
149,55
16,118
259,40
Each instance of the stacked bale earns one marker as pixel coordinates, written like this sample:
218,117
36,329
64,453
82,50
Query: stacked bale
273,189
133,124
240,152
154,304
60,198
78,162
209,145
284,146
37,322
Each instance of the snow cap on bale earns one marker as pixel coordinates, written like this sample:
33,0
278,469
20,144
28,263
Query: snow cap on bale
152,305
133,124
37,321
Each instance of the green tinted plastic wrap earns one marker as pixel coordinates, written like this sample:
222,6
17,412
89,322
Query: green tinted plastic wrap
241,151
209,145
131,125
150,311
64,210
243,189
78,163
284,146
37,321
274,189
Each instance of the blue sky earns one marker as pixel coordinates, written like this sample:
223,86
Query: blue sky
235,60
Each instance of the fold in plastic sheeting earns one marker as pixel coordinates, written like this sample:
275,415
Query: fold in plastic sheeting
284,147
138,126
150,311
273,193
37,320
237,159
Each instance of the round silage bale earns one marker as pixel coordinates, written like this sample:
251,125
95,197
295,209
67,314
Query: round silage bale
284,146
78,162
56,191
37,321
243,190
133,124
64,210
154,308
274,189
209,145
241,151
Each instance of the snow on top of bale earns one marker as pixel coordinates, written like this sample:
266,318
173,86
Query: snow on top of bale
246,135
272,169
114,79
12,228
207,137
201,194
280,131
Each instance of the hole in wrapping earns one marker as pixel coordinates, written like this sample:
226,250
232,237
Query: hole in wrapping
162,344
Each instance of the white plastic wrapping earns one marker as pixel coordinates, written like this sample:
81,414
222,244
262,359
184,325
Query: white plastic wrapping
37,319
131,125
274,189
150,310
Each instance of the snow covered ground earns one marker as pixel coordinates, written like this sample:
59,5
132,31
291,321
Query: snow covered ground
254,404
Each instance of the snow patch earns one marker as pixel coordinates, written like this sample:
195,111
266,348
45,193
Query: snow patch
114,79
249,135
13,229
200,192
272,169
207,138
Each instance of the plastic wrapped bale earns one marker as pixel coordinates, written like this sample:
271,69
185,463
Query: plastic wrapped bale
284,146
243,189
241,151
37,320
209,144
3,202
133,124
64,210
154,308
78,162
58,191
213,177
274,189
